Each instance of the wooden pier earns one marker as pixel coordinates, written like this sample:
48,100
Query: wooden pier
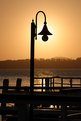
54,98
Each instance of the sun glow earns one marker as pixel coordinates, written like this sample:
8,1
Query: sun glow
45,47
63,21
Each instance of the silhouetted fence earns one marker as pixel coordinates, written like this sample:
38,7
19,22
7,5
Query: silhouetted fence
54,83
54,98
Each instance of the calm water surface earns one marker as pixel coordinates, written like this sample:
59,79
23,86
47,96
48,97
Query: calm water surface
13,74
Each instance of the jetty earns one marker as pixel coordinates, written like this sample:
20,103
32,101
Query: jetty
54,99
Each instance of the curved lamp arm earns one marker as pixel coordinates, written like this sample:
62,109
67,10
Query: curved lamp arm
36,20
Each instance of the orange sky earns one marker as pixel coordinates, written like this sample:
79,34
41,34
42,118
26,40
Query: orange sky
64,21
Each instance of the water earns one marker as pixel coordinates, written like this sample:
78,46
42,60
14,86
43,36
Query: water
13,74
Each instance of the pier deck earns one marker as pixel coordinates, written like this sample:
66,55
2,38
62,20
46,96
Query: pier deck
51,100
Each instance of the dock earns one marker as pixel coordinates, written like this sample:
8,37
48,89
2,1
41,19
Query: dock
53,99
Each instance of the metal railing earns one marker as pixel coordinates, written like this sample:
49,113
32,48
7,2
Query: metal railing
56,83
24,101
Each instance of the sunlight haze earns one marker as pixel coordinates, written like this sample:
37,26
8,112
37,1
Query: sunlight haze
63,21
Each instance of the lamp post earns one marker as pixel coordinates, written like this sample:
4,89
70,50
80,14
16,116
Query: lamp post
44,34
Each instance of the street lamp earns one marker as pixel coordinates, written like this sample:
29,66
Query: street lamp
44,34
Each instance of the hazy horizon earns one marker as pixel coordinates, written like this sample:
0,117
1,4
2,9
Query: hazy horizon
63,21
19,59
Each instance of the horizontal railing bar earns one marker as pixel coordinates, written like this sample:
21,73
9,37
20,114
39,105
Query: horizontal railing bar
63,77
60,83
78,88
24,87
15,87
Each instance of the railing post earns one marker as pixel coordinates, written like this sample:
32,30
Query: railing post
42,84
18,87
18,84
61,82
5,89
70,82
80,82
46,84
53,82
23,109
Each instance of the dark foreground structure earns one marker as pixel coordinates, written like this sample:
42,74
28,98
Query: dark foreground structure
54,99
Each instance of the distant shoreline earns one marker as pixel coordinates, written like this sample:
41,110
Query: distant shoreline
56,63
